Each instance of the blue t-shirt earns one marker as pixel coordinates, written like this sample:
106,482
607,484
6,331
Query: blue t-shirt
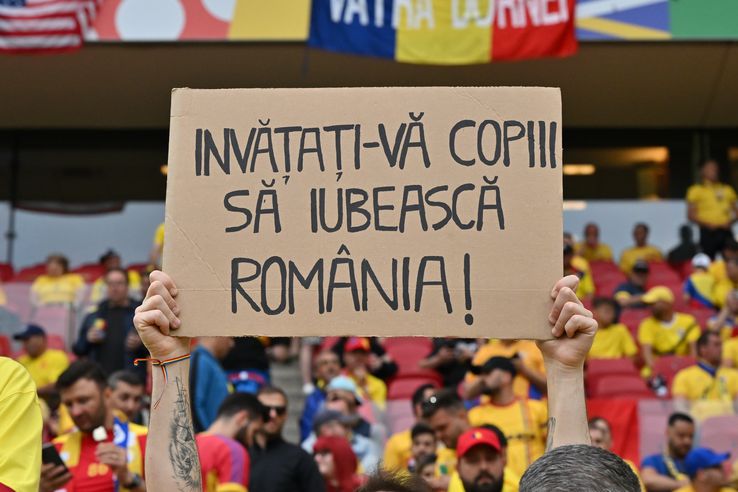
656,461
210,387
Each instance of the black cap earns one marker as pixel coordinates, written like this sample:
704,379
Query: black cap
503,363
31,330
641,266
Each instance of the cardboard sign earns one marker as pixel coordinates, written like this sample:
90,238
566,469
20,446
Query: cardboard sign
372,211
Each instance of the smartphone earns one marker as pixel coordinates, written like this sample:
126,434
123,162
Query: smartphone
49,454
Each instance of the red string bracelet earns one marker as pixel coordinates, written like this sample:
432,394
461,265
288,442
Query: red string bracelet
163,364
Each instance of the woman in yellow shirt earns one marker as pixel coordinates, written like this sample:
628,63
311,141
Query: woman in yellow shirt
57,286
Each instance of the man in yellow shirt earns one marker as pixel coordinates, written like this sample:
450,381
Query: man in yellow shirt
665,332
641,251
57,286
356,359
530,380
717,267
726,286
591,249
20,429
42,363
523,421
630,293
707,380
706,472
712,206
612,340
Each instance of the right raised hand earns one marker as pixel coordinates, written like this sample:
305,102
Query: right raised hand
157,317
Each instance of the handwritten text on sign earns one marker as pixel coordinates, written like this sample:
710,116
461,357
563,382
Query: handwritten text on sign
394,211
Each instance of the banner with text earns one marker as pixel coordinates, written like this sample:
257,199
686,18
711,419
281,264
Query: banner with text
370,211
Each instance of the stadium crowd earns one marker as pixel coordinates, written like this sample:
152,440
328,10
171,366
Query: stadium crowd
458,414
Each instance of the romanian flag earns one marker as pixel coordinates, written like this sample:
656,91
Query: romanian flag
445,32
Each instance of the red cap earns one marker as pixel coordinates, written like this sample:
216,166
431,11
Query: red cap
357,343
475,437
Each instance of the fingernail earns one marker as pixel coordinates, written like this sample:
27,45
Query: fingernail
176,322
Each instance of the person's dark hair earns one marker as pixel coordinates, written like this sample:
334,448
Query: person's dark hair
417,397
59,258
237,402
419,429
385,481
579,468
730,245
446,399
108,255
642,224
685,233
272,390
119,270
128,377
705,338
591,224
81,369
680,417
498,432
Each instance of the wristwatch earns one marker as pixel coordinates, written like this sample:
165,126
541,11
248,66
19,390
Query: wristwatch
134,483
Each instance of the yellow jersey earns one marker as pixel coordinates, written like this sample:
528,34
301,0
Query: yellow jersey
717,270
669,337
57,290
601,252
629,257
713,202
613,342
695,383
510,481
721,291
730,352
397,451
586,283
20,428
689,488
46,368
526,349
524,424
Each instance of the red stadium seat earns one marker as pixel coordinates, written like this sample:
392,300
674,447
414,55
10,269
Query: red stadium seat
422,344
30,273
596,369
621,386
668,365
702,315
6,272
5,348
653,416
90,271
403,388
407,358
603,267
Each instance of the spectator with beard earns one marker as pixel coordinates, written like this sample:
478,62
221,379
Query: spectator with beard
327,366
667,470
523,421
481,463
126,394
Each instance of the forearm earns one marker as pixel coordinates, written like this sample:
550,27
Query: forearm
172,462
655,482
567,412
473,389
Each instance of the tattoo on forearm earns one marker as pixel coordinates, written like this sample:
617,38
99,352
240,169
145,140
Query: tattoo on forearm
182,447
551,430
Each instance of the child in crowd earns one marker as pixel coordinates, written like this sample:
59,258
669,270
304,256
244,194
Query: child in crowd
613,340
424,444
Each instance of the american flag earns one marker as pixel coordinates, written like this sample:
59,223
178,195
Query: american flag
49,26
